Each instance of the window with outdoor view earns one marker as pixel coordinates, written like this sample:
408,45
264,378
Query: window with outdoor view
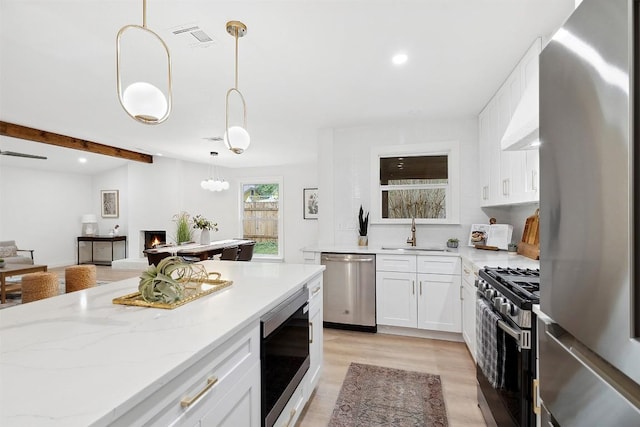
262,216
418,181
414,186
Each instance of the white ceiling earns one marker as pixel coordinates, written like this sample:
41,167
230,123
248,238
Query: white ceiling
304,65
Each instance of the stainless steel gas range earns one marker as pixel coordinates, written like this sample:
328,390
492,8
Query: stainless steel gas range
506,341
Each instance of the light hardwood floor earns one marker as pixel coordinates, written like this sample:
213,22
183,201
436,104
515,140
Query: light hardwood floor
450,360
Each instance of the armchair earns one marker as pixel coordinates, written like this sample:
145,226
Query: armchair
11,254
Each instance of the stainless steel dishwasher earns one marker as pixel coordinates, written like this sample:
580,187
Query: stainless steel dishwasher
349,291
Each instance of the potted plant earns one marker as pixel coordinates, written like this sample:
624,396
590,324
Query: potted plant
183,230
452,243
363,240
204,225
1,262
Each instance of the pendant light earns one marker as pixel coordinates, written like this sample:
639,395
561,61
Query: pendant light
214,184
236,138
143,101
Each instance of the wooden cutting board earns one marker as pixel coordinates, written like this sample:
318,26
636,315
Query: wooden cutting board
530,244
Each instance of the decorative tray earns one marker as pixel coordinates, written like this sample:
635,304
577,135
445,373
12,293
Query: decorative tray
192,291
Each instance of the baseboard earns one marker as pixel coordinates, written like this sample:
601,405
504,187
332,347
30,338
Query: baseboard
420,333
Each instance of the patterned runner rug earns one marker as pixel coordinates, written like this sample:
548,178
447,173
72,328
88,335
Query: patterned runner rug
376,396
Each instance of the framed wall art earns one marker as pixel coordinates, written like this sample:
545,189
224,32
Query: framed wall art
310,203
109,203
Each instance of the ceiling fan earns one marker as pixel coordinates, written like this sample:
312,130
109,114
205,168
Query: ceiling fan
15,154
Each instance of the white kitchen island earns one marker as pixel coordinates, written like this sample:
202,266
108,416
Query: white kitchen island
79,360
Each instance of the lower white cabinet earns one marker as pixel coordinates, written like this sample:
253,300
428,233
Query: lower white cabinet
469,275
214,387
316,335
240,407
418,298
396,302
439,302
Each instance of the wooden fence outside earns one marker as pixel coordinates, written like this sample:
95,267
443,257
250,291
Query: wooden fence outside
261,221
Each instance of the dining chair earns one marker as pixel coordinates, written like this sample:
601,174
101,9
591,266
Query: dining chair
230,253
245,251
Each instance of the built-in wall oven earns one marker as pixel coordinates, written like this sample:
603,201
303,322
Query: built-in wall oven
506,341
284,353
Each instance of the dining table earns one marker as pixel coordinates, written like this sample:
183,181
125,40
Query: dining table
200,251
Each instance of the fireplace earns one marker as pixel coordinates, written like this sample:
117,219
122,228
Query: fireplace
154,238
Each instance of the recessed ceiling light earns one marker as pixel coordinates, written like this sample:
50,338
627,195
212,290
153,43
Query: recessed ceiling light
82,160
159,154
399,59
535,143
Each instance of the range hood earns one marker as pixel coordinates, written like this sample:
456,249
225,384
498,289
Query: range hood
522,132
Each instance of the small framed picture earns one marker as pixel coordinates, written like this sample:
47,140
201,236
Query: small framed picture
310,201
109,203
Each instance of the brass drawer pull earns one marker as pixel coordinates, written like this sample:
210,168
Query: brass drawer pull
291,414
186,402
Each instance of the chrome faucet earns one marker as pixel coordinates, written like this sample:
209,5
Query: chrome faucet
412,239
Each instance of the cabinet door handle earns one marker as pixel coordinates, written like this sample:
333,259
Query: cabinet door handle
291,414
311,327
420,287
413,287
186,402
534,187
315,290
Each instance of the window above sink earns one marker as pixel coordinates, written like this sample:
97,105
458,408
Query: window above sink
420,181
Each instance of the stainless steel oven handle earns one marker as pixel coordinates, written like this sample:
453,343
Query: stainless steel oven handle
345,259
522,337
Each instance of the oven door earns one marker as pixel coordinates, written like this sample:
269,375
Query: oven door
510,404
284,354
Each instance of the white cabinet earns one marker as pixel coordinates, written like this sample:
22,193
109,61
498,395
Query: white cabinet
508,177
316,335
396,303
311,257
214,387
469,276
416,291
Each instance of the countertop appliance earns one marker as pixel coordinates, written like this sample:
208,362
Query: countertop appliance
284,353
506,349
349,291
589,217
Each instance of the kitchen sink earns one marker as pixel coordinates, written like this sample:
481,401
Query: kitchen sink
416,248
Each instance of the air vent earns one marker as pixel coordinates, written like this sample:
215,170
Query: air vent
192,35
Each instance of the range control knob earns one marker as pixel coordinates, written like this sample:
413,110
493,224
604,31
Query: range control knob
512,310
489,294
498,302
482,285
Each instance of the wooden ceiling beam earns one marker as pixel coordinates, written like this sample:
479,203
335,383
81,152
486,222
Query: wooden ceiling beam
37,135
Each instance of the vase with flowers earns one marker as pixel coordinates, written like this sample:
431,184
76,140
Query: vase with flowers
205,226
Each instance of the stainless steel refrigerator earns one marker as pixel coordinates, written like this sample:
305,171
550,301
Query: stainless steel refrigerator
589,352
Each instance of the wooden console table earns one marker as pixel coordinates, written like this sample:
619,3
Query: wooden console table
15,270
108,239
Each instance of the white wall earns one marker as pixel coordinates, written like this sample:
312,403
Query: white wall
344,173
41,210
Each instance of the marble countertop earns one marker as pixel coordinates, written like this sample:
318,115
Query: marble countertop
480,258
79,359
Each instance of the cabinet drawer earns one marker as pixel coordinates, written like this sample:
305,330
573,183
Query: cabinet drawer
311,257
400,263
292,410
439,264
208,379
469,273
315,289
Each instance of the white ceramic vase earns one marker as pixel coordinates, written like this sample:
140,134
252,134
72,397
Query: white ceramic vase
205,237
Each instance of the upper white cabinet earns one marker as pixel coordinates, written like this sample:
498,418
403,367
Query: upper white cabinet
508,177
